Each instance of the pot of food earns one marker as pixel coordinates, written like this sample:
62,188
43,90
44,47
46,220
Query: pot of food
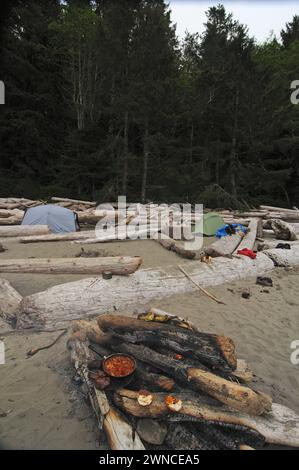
119,365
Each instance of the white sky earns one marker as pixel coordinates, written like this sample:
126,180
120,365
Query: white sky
261,16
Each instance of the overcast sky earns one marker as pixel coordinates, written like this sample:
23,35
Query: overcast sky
260,16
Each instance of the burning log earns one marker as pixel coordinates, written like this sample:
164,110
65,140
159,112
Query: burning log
119,265
212,350
232,394
274,426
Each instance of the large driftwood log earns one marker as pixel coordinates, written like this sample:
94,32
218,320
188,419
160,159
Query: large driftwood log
9,301
171,245
230,393
278,209
23,230
57,237
73,201
93,296
284,258
225,246
127,234
249,240
119,432
121,265
280,426
283,230
213,350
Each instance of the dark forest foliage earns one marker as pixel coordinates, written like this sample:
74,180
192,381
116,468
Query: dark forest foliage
102,99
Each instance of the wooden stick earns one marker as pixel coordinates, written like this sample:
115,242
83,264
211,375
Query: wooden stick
204,291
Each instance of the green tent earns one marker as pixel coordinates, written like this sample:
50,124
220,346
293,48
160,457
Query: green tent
209,225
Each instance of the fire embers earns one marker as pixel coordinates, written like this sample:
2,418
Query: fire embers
99,379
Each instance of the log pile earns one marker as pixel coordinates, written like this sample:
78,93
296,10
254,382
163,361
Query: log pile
186,392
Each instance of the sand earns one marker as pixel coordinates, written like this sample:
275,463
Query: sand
41,407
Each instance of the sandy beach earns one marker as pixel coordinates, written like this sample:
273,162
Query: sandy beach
41,407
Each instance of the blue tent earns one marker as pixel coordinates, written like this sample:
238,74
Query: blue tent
59,219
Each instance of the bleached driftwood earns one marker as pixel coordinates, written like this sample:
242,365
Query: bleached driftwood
93,296
23,230
121,265
57,237
128,234
278,209
249,240
224,246
9,301
283,230
73,201
284,258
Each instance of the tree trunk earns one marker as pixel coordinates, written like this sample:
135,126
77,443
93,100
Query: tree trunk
119,265
145,163
125,154
234,149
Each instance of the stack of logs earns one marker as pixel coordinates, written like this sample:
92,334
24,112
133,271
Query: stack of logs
197,392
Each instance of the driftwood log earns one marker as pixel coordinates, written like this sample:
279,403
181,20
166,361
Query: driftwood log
171,245
74,201
72,301
280,426
283,230
248,240
9,301
23,230
284,258
57,237
121,265
225,246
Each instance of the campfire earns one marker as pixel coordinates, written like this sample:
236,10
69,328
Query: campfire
156,381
